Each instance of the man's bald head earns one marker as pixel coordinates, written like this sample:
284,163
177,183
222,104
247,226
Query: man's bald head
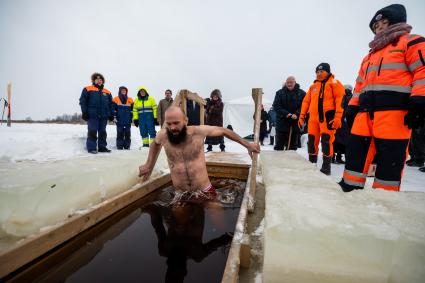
290,82
174,110
175,118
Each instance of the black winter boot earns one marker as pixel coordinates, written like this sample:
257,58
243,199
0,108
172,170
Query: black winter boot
104,149
312,158
271,140
326,165
346,188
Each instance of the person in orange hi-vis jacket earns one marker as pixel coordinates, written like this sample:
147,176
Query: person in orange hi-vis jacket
388,101
323,103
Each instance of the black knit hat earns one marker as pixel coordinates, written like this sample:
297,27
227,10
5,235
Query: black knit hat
395,13
324,66
96,75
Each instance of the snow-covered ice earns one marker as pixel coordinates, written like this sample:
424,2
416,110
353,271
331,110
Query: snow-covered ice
46,175
316,233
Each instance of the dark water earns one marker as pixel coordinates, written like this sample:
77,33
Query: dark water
153,242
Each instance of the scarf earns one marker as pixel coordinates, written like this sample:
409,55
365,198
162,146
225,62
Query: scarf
389,35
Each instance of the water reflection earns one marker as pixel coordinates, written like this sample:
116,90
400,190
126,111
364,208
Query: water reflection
179,229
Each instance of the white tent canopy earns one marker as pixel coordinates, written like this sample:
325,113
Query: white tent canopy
239,113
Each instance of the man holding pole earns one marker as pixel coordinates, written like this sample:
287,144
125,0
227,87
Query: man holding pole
287,104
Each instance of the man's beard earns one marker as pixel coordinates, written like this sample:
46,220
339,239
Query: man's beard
178,138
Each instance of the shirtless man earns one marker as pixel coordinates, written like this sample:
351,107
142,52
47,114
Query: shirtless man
184,147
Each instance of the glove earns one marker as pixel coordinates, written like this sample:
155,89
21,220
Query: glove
301,121
156,122
111,118
336,123
136,123
350,115
415,118
85,116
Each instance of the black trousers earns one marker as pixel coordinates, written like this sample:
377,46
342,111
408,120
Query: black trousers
282,139
417,145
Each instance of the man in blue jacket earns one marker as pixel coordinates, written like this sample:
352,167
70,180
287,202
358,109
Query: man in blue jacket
123,113
97,108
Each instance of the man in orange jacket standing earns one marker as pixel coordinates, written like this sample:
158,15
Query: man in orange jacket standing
323,103
388,101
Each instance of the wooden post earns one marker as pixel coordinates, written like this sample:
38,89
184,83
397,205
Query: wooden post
257,96
181,101
9,94
202,114
184,100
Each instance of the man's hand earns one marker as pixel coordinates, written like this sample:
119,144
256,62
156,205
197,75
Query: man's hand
253,147
145,171
336,123
289,115
85,116
300,122
294,117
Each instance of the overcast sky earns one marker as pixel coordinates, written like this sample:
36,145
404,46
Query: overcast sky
49,48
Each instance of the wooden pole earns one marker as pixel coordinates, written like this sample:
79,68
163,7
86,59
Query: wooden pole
184,100
9,94
257,96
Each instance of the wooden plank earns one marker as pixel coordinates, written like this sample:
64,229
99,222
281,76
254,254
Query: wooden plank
240,173
257,94
33,247
231,271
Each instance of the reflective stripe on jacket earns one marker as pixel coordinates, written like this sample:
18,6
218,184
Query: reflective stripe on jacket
146,106
392,77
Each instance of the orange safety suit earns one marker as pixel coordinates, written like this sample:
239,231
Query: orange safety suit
389,80
323,103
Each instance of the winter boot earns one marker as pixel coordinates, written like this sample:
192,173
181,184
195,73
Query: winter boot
312,158
326,165
414,163
93,151
422,169
104,149
339,159
222,147
333,158
209,148
346,188
271,140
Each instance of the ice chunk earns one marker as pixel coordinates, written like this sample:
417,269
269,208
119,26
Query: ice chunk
34,195
316,233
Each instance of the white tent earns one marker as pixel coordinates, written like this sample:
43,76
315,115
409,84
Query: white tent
239,113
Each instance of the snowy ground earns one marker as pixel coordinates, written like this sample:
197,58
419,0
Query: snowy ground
43,142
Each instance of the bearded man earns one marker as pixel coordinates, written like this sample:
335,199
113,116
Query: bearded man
184,147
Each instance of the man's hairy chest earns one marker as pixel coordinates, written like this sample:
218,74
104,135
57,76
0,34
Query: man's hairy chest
189,150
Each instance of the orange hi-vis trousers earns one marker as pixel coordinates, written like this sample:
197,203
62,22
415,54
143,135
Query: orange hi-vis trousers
320,132
384,139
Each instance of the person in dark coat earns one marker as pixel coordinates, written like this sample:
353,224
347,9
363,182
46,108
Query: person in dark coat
214,117
342,133
124,115
193,113
264,117
96,107
272,124
287,104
